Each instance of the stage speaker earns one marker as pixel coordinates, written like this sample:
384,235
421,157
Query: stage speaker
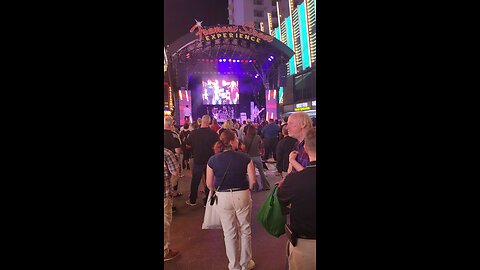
282,75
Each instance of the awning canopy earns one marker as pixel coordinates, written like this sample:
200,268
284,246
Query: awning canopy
203,48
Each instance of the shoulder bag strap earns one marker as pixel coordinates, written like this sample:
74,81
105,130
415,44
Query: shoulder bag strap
223,178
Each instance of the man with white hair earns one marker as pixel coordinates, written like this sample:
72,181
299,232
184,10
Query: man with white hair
297,125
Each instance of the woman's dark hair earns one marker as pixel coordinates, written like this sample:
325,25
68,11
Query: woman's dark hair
186,125
224,144
251,131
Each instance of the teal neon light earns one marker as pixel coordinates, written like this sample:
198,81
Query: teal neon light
288,25
277,34
280,95
305,46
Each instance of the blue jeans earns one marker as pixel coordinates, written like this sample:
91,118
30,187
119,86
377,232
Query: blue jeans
198,170
263,184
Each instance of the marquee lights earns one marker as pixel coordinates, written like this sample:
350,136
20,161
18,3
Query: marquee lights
246,31
230,60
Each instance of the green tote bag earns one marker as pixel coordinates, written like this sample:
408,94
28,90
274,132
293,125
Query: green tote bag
270,215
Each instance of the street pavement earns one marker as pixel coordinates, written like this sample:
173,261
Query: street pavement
205,249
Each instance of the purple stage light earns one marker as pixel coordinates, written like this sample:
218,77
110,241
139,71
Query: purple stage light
229,60
250,61
224,60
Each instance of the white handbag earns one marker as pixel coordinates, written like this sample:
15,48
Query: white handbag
211,219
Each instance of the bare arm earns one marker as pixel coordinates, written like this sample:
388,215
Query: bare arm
209,179
251,174
292,162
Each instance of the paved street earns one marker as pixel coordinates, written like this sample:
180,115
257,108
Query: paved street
205,249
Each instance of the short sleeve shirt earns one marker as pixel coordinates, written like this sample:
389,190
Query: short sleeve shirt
171,140
236,176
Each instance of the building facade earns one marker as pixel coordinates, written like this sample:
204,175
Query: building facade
258,12
293,22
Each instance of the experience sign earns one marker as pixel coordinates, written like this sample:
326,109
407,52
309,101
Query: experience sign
246,31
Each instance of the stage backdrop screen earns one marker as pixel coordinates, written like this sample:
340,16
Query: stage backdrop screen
219,92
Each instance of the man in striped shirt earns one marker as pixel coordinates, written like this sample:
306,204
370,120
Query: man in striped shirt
170,167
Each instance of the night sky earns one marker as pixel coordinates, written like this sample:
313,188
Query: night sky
180,15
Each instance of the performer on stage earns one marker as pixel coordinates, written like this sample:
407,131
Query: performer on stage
187,112
234,95
256,114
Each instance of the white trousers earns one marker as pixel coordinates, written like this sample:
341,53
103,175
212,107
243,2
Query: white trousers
235,211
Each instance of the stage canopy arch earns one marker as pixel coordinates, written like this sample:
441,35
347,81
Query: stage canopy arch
205,49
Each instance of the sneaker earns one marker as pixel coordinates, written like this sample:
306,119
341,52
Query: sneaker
189,203
251,264
171,255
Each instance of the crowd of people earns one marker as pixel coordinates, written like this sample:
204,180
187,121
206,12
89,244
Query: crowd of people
224,158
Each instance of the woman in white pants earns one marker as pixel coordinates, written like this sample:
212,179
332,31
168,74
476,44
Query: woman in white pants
234,199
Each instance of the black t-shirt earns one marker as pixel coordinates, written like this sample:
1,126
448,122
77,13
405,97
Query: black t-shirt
236,176
202,140
299,190
171,140
284,147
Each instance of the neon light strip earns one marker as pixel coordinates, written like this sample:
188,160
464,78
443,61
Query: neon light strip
278,16
293,36
270,24
278,35
304,37
186,93
180,92
274,93
280,95
288,25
